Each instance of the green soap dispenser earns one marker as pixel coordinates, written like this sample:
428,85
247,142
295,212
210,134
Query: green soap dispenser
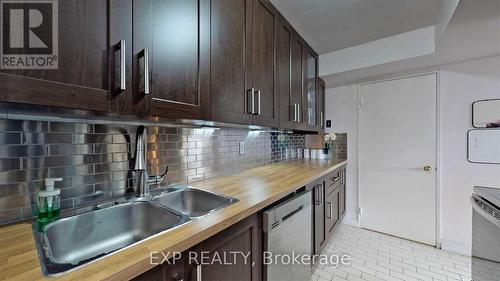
49,203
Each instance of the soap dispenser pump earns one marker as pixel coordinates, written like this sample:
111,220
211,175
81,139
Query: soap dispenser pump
48,202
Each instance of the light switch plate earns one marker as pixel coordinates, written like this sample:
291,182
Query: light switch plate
242,148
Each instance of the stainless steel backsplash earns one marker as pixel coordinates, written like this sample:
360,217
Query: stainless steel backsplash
94,158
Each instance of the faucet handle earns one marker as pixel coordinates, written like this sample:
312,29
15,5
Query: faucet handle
156,179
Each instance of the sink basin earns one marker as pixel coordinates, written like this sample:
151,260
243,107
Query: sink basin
194,202
76,240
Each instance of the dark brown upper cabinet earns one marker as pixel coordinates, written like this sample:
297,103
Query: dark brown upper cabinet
297,73
264,70
321,104
90,72
232,61
290,75
171,58
310,89
297,49
229,82
243,82
284,65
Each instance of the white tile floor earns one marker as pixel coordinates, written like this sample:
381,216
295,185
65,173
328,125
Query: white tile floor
376,256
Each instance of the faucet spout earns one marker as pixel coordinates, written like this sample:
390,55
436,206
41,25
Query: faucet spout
140,168
140,163
141,149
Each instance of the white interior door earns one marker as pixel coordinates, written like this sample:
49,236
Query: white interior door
397,140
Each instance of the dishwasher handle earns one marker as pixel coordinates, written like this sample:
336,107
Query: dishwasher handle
285,210
284,218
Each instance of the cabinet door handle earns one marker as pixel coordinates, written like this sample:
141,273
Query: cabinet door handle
321,191
146,72
199,277
177,277
251,101
122,47
258,102
331,211
298,112
335,179
316,195
321,119
309,115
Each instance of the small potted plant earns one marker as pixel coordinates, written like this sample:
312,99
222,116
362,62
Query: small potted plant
329,139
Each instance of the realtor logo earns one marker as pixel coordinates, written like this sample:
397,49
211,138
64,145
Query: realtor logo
29,34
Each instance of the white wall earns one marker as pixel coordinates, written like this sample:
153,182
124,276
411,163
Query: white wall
341,108
461,84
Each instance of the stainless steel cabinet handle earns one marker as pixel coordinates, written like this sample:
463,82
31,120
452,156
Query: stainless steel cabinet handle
122,65
335,179
309,115
321,191
146,72
321,119
316,195
331,211
177,277
298,113
251,101
199,277
258,102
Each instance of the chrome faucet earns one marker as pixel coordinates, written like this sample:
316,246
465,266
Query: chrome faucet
141,165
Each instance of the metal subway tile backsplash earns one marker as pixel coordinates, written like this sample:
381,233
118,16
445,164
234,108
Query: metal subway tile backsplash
94,159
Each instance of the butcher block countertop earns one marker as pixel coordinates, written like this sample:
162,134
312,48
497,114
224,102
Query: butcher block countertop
255,188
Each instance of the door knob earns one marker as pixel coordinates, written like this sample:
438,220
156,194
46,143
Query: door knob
427,168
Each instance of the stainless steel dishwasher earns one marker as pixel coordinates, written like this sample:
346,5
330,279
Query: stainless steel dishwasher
288,231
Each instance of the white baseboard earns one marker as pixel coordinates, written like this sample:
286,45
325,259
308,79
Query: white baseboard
455,247
350,221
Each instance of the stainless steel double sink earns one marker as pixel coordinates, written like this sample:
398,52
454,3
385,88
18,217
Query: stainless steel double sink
72,242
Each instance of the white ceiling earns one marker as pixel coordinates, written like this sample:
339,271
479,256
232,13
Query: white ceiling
330,25
473,32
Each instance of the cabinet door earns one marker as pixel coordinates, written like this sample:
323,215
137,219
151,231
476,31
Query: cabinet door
230,33
342,192
321,104
319,216
310,91
87,76
174,35
284,65
243,237
264,69
331,211
297,80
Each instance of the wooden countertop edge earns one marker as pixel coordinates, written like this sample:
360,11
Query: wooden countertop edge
198,231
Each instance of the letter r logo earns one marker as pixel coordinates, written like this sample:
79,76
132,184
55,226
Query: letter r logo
27,27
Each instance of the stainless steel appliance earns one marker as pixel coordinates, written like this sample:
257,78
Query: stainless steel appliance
485,233
288,232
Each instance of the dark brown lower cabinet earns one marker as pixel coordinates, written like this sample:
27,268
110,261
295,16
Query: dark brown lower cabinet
318,188
329,206
233,254
342,191
332,211
245,238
